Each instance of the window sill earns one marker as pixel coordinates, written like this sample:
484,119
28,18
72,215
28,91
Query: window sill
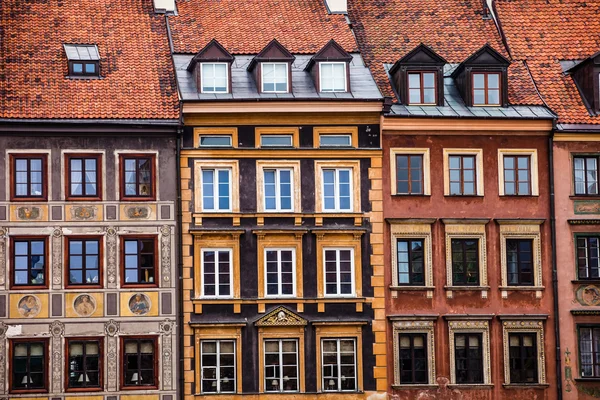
584,197
587,379
467,288
28,391
138,199
79,287
413,386
585,281
139,285
410,195
29,199
83,390
82,199
139,388
516,196
29,287
526,385
462,196
471,385
411,288
522,288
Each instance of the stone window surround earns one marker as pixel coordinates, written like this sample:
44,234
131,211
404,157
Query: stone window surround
478,153
294,166
339,240
532,153
235,178
396,151
354,166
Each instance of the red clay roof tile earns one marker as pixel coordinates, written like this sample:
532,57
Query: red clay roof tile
246,27
543,33
137,75
388,30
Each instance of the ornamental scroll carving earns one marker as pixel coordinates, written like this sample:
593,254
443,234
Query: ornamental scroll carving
57,236
3,329
3,239
166,330
165,248
57,329
111,257
281,316
112,328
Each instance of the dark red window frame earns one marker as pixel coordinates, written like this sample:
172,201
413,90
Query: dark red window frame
138,340
12,343
137,197
486,89
139,238
68,240
83,157
13,176
422,88
29,239
100,342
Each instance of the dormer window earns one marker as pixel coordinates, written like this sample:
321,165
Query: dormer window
333,76
215,77
422,88
586,75
486,89
274,77
84,60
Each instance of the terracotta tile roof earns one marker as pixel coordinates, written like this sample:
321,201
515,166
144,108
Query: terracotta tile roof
137,74
542,33
388,30
246,27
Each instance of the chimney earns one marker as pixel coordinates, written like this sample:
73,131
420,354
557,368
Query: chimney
164,6
337,6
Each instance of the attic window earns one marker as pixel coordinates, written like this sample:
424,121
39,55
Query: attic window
486,89
214,77
333,76
421,88
83,59
274,77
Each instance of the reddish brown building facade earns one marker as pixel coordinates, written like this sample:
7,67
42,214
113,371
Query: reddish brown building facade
466,201
560,44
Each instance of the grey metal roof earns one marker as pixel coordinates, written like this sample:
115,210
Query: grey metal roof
362,84
455,107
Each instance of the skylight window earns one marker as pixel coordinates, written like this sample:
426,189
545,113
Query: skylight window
84,60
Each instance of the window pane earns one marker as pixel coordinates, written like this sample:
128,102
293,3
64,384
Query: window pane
221,141
493,81
414,81
276,140
335,140
478,81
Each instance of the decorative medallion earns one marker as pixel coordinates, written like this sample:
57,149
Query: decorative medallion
586,207
29,306
111,328
29,213
281,316
57,328
84,305
165,247
84,213
137,212
166,327
588,295
139,304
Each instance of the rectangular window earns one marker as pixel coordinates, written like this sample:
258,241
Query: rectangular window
465,262
333,76
138,177
463,175
139,262
589,351
335,140
29,262
486,89
411,270
274,77
83,177
468,358
517,175
218,365
409,174
29,174
339,365
83,262
276,140
84,60
339,272
84,364
214,77
523,357
421,88
28,366
586,175
215,141
587,257
216,273
278,189
280,272
139,363
281,366
337,189
413,359
519,262
216,189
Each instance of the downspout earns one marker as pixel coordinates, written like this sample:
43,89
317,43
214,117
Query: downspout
179,286
554,264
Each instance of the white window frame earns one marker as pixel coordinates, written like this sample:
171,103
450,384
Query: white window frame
218,365
278,190
337,272
287,77
279,283
280,365
200,137
338,365
215,189
331,63
202,65
217,250
337,189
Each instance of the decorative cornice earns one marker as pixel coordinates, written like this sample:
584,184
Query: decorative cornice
468,317
414,317
281,316
585,312
509,317
584,221
465,221
519,221
411,221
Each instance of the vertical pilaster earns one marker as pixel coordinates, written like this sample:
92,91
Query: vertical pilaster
111,257
57,329
166,331
111,328
57,236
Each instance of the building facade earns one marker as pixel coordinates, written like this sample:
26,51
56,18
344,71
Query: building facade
87,202
282,221
567,78
466,202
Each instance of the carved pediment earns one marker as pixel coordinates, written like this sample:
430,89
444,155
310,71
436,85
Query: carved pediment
281,316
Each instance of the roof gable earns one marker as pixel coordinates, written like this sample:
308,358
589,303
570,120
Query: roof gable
420,55
213,51
281,316
484,57
274,51
332,51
